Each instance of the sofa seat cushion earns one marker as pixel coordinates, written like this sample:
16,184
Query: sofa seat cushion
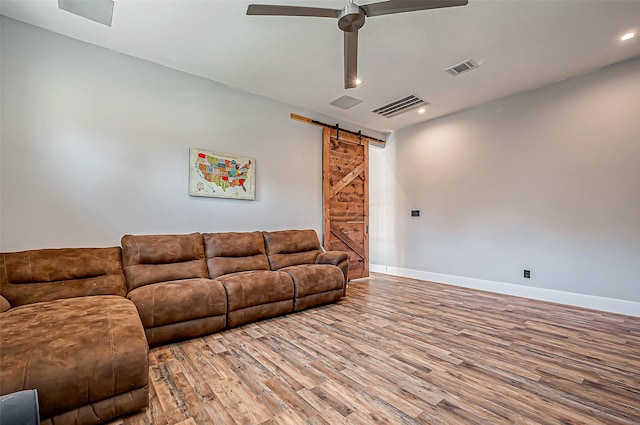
257,295
179,300
310,279
315,284
73,351
247,289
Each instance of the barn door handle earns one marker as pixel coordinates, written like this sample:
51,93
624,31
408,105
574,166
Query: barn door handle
355,222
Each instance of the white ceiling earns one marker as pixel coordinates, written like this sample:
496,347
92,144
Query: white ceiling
519,44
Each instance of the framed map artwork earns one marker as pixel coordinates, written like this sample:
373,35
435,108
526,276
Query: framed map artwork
221,175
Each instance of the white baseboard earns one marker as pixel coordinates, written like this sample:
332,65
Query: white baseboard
377,269
612,305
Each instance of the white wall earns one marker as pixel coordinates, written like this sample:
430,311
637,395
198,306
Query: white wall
547,180
95,144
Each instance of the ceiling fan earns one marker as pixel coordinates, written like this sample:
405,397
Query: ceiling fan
351,19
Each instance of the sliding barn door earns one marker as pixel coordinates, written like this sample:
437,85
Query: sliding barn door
346,198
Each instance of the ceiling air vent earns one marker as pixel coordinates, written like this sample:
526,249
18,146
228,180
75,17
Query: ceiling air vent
400,106
461,68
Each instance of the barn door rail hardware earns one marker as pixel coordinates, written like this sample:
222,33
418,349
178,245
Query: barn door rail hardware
336,127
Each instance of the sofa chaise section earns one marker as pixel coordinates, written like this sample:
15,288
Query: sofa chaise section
319,278
254,292
169,283
67,331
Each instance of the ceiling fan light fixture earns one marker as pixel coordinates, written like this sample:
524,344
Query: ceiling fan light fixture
628,36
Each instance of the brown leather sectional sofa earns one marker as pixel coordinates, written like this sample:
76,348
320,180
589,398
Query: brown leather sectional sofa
73,321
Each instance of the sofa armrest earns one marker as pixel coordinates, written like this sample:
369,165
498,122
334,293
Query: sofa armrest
4,304
339,259
332,257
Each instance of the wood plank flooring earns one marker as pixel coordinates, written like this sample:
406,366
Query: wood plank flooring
402,351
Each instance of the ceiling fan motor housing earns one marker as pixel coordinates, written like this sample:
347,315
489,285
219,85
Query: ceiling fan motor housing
351,18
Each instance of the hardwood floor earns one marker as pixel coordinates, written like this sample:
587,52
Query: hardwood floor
401,351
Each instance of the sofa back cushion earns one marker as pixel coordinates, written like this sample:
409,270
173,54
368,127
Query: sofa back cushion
148,259
49,274
291,247
233,252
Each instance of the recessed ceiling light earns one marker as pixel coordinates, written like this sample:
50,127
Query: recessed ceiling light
358,81
421,111
628,36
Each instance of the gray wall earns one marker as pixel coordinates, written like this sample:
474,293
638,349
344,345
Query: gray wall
547,180
95,144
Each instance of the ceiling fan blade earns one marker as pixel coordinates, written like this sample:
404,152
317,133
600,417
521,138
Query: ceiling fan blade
400,6
276,10
350,59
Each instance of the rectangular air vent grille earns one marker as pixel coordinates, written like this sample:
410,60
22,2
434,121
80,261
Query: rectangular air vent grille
461,68
400,106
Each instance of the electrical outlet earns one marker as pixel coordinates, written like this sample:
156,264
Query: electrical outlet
527,274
